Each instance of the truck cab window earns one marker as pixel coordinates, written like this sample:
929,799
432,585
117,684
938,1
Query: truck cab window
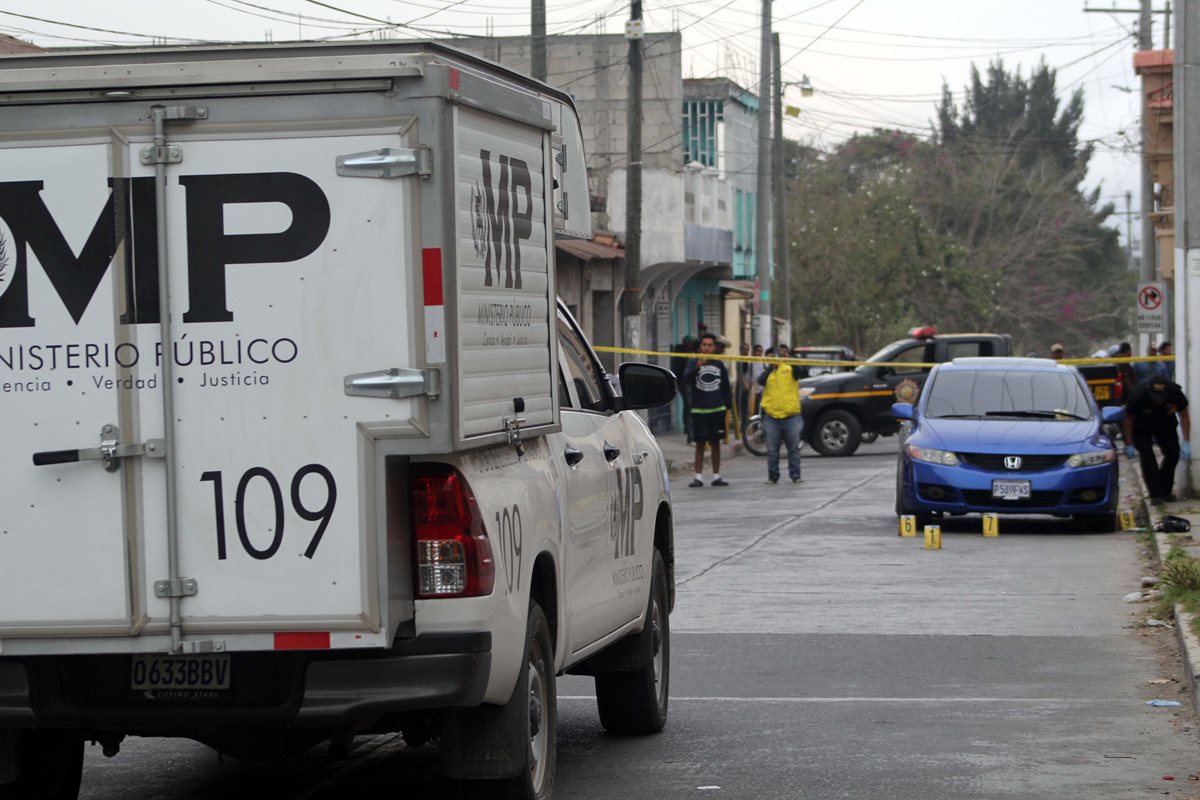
908,361
967,350
583,371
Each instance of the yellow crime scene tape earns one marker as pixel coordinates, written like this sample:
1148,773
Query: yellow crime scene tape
828,362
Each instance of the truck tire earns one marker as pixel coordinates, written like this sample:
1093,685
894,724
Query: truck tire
536,780
837,433
636,701
50,765
868,437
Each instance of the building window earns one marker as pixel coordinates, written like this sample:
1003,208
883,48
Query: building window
701,119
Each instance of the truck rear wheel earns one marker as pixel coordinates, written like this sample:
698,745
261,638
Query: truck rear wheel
536,780
837,433
636,701
50,767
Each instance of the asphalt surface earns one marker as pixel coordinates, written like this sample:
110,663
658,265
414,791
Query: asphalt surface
815,654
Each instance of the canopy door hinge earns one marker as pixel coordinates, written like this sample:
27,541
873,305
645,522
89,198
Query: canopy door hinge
394,383
387,162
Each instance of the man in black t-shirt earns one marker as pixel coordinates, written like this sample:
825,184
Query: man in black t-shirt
708,382
1150,418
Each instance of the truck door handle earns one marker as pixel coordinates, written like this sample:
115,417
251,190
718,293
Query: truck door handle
573,456
110,451
610,451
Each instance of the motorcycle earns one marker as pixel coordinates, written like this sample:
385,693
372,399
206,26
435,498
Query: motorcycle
754,438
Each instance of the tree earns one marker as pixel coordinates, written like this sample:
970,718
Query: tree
984,225
866,265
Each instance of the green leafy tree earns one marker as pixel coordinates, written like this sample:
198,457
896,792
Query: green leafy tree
983,226
866,266
1003,178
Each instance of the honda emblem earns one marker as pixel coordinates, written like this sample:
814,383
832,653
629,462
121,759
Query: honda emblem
1012,462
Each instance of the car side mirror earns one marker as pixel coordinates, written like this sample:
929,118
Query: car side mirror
1112,414
883,372
902,410
645,385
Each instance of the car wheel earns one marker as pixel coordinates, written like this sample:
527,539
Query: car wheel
636,702
868,436
923,518
50,765
837,433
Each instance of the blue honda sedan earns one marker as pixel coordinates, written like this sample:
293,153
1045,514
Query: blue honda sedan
1011,436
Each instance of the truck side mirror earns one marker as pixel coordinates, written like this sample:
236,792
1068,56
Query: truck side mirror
883,372
645,385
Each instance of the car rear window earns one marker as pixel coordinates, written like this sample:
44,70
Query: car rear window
992,393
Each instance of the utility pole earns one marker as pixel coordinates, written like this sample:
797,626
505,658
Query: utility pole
1186,77
1129,231
1149,262
780,196
1145,41
631,299
762,193
537,47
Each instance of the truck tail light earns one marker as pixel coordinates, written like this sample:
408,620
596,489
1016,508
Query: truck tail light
453,556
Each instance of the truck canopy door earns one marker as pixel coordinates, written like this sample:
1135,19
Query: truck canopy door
286,278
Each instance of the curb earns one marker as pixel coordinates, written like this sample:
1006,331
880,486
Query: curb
1189,644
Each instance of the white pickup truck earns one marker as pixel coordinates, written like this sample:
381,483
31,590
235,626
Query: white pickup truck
301,444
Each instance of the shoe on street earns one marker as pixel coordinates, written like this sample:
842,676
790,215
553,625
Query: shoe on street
1171,498
720,482
771,480
695,482
797,480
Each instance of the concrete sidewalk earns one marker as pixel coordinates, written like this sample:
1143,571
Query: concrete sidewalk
681,456
1189,509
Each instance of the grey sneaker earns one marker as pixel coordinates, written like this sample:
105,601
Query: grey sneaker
771,481
797,480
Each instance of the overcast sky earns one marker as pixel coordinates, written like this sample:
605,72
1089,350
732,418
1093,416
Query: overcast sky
872,62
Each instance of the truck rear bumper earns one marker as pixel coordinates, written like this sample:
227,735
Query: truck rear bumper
313,689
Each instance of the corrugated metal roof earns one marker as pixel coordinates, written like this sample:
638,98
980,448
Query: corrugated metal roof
585,250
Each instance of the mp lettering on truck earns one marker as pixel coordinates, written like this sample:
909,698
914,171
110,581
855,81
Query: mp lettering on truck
498,224
128,216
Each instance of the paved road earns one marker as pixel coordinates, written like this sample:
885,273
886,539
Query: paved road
817,655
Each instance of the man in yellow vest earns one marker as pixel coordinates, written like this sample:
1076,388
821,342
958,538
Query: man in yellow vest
781,418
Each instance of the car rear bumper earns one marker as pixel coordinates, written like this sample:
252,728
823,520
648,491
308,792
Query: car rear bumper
964,490
319,689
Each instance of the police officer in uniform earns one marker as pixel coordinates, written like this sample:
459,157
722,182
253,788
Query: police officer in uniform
1150,419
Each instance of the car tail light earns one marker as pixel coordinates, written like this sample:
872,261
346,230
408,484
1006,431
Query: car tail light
453,556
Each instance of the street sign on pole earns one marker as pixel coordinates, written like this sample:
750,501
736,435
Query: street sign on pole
1151,307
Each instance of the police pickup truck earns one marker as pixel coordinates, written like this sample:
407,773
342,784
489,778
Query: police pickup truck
301,445
842,411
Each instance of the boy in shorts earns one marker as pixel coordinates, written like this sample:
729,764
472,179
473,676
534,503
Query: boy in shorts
711,397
